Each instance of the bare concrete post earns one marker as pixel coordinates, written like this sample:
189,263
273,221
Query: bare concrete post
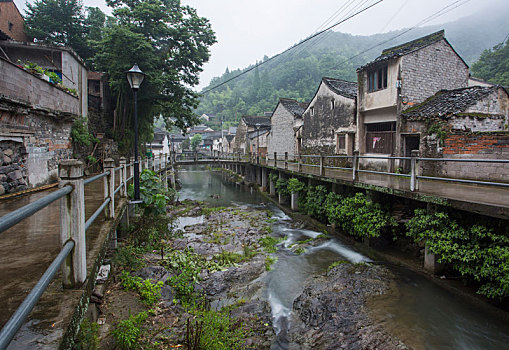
160,161
264,179
355,166
280,197
131,166
322,165
109,187
123,177
295,201
72,222
275,159
414,171
299,164
431,263
272,187
286,160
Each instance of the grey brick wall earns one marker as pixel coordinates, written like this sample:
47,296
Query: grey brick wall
19,84
431,69
282,136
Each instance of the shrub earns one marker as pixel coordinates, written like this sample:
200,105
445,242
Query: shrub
360,217
315,202
295,186
152,194
477,252
127,333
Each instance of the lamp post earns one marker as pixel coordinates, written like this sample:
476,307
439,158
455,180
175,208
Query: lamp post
135,77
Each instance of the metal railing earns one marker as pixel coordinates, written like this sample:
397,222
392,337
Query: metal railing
329,165
72,257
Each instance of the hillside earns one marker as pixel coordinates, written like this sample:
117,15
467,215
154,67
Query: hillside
297,73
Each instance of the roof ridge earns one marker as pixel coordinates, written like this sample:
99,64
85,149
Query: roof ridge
436,36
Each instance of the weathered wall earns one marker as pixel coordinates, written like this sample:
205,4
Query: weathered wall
429,70
477,146
19,84
282,138
75,75
10,14
319,131
33,141
381,98
239,142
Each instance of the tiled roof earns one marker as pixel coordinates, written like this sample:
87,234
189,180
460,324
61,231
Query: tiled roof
293,106
449,102
341,87
407,48
251,120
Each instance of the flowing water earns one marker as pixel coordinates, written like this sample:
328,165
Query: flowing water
422,314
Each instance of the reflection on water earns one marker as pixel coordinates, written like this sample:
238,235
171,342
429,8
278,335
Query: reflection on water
422,314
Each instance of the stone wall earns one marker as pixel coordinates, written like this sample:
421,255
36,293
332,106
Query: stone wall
429,70
16,83
239,144
32,143
319,130
13,167
282,136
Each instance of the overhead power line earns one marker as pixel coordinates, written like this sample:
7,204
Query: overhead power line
291,48
435,15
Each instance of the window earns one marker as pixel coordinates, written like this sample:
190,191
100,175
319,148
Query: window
377,79
380,137
340,143
332,104
312,111
10,26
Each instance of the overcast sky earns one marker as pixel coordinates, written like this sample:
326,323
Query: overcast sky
247,30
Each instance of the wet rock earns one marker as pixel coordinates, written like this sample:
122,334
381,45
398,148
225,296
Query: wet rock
331,314
154,273
8,152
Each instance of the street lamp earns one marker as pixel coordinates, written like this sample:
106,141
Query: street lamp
135,77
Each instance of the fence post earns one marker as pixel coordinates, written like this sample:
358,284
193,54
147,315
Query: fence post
123,177
72,222
109,187
414,170
275,159
299,164
146,163
286,160
355,166
131,167
322,165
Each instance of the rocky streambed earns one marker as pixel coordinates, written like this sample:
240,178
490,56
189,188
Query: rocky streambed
232,251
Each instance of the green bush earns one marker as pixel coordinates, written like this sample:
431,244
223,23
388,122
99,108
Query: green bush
149,292
314,204
476,252
281,187
80,134
295,186
360,217
152,193
88,336
127,333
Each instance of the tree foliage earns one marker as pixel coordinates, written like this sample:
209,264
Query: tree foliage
493,65
170,43
195,141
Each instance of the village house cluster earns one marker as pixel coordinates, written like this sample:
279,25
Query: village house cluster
417,96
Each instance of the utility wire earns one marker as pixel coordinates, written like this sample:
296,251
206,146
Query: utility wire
437,14
291,48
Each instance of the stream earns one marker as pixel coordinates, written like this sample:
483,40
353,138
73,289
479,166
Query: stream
420,313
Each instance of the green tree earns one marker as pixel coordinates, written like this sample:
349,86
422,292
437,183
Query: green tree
195,141
59,22
493,65
170,43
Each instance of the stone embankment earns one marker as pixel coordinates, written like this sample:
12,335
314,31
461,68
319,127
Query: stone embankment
12,167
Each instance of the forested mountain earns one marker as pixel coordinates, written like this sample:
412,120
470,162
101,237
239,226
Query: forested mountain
493,65
297,73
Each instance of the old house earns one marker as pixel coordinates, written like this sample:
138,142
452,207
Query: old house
11,22
329,122
35,128
242,143
161,143
462,123
61,60
258,140
400,78
282,135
